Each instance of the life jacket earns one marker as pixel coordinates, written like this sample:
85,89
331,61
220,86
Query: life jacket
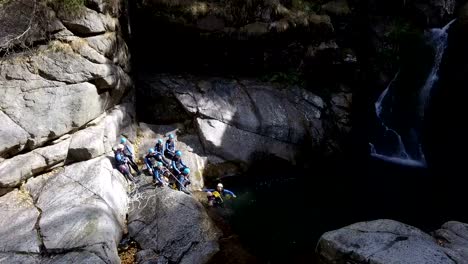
177,161
170,145
158,147
217,197
120,158
152,159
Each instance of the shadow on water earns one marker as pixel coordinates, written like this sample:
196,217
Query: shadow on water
282,210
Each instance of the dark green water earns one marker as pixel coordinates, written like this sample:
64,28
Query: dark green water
282,211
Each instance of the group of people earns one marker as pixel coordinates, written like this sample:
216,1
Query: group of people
166,166
163,162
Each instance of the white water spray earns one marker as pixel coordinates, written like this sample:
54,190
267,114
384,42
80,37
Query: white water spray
438,39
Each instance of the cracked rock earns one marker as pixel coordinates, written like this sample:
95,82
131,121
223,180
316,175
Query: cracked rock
22,167
12,136
83,209
223,140
175,225
381,242
17,223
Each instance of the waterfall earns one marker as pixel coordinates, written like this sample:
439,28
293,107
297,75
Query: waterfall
438,39
397,152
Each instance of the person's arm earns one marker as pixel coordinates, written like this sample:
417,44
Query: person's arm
156,174
174,166
148,163
157,150
167,146
130,148
230,193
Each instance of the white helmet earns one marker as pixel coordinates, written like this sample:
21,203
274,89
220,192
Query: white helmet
220,185
120,147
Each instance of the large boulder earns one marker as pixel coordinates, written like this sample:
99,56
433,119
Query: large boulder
61,82
231,143
21,167
277,119
388,241
173,224
74,215
95,140
453,235
101,134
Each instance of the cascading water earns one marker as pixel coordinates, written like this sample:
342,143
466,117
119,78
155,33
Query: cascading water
393,148
438,38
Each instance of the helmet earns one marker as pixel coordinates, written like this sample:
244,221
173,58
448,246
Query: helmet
123,140
220,185
120,147
160,141
171,136
159,164
178,153
186,171
151,150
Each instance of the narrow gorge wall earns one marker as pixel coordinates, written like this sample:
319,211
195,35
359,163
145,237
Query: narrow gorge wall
65,99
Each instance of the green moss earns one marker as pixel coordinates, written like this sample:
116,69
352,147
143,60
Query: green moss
400,30
291,77
71,6
306,6
3,2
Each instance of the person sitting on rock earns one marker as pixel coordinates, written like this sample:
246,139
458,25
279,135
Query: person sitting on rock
216,196
122,162
179,168
184,179
130,154
159,172
177,164
150,160
169,152
159,148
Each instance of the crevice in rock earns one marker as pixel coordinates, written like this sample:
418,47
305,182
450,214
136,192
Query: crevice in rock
252,101
19,125
380,232
83,35
49,77
40,237
450,257
26,253
192,244
389,245
116,218
73,249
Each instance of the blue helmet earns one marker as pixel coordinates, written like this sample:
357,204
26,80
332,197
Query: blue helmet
178,153
159,164
171,136
123,140
160,141
151,150
186,171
